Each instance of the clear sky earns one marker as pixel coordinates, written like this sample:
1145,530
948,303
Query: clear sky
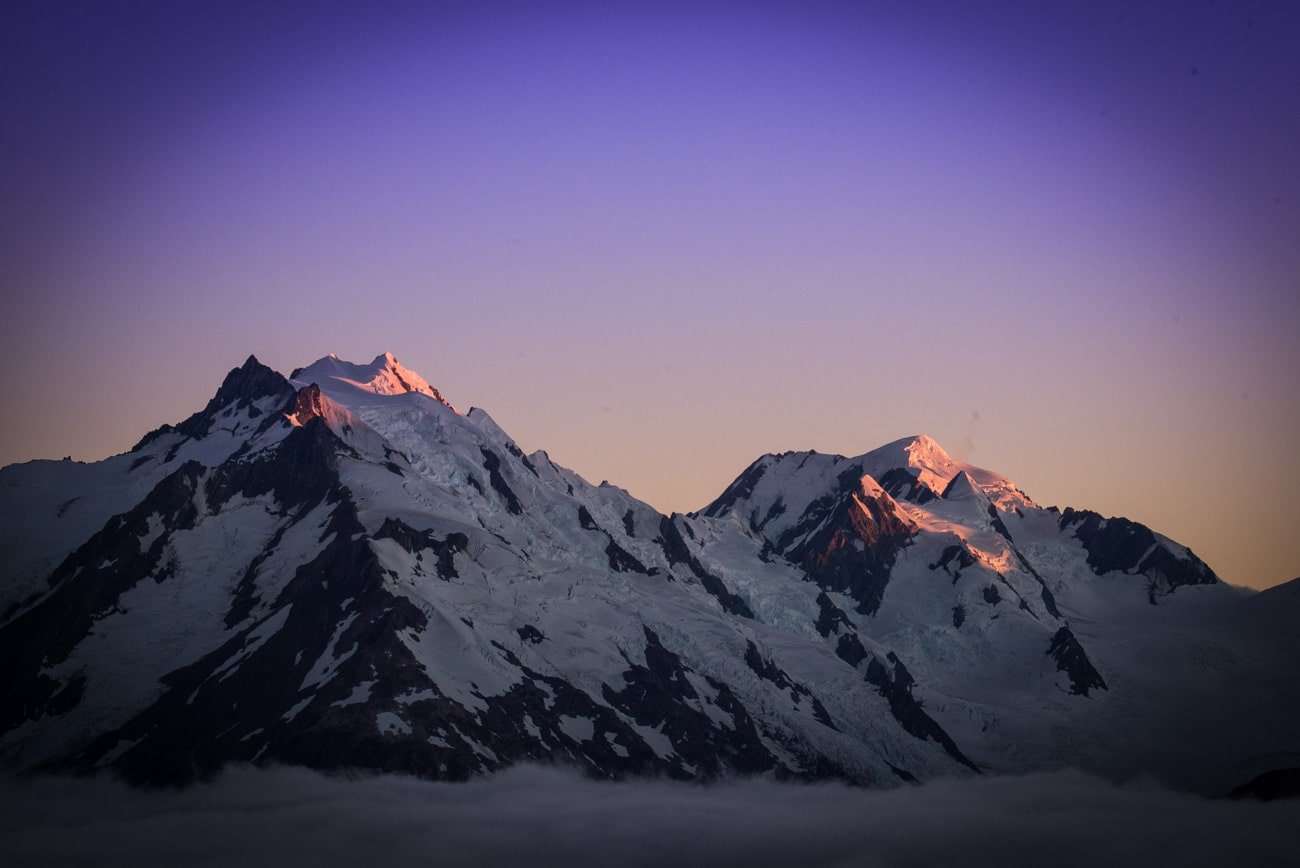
660,239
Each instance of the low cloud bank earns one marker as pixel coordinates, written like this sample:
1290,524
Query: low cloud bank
543,817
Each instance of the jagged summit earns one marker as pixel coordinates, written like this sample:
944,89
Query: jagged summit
919,451
384,375
932,470
914,468
251,389
250,381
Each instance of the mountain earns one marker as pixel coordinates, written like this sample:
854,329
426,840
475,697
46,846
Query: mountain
339,569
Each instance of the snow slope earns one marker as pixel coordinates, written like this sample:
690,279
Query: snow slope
342,570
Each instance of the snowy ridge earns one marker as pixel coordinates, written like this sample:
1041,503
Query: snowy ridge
341,570
934,469
383,376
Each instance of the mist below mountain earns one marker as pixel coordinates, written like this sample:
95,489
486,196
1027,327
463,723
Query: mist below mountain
551,817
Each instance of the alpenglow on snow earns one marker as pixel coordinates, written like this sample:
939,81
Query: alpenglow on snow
338,569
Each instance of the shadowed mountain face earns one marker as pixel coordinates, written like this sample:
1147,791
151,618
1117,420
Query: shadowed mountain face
340,570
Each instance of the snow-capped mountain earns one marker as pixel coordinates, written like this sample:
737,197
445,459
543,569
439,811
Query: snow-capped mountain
339,569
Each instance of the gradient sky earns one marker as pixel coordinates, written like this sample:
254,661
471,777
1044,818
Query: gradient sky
658,240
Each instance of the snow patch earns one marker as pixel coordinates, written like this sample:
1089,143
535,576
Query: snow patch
577,728
299,706
391,724
360,693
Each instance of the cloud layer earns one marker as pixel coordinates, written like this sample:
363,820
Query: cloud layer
542,817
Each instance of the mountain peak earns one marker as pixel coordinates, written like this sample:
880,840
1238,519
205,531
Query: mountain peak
926,444
934,467
242,387
921,450
385,375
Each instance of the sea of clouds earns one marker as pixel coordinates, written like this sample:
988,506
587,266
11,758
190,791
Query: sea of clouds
547,817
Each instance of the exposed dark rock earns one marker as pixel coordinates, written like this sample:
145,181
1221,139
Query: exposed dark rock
671,541
999,525
769,671
958,616
523,459
1113,545
241,388
903,774
186,734
896,687
621,560
529,633
613,750
730,602
675,549
851,542
299,472
953,560
776,509
660,696
415,542
88,584
155,434
1073,661
1120,545
308,403
766,669
742,488
821,715
849,649
830,617
245,597
1049,601
492,463
902,484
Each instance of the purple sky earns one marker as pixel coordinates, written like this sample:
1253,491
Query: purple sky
658,240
